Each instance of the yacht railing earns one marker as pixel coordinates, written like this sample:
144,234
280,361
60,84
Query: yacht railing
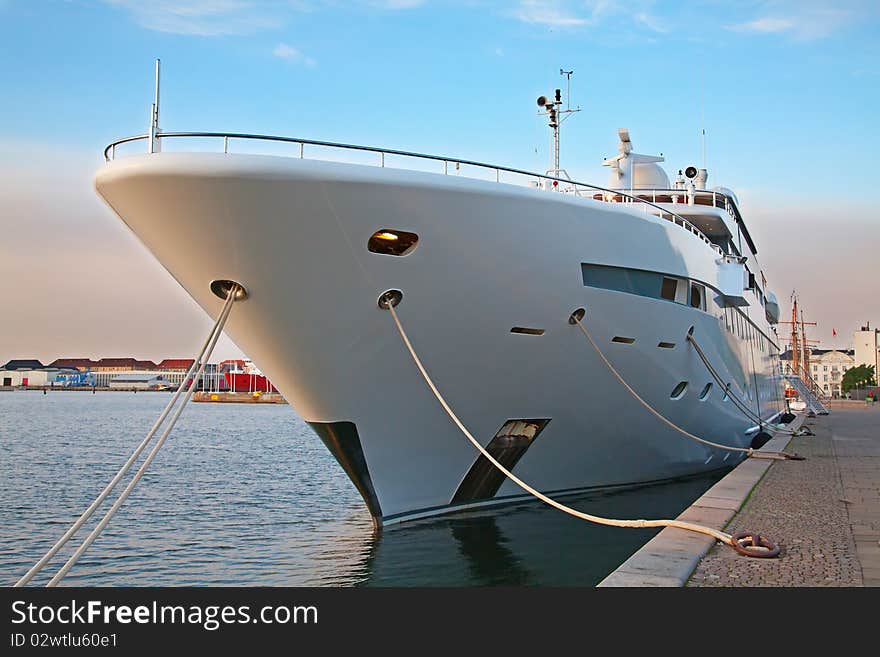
555,182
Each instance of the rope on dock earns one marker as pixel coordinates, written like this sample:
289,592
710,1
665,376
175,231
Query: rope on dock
740,544
576,318
190,379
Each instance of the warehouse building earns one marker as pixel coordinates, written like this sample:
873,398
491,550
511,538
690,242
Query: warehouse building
140,381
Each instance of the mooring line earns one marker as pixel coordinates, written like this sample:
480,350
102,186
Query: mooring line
739,403
576,318
747,543
190,378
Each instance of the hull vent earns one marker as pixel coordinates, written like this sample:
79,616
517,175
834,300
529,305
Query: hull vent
508,446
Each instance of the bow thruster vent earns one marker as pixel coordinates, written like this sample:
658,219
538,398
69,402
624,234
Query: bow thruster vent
508,446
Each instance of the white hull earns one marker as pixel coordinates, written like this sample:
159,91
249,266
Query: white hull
490,257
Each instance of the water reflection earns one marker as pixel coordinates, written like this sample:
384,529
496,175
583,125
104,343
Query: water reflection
526,543
247,495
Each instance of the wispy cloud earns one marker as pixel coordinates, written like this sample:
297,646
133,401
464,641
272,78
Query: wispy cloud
804,19
234,17
651,22
577,14
766,25
292,54
201,17
394,4
548,12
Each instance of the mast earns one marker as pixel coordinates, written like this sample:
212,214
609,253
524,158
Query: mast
795,361
553,110
154,117
805,349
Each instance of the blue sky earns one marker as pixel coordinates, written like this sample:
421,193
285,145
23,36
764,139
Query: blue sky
788,91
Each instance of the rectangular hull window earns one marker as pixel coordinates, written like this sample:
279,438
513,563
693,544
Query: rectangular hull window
637,281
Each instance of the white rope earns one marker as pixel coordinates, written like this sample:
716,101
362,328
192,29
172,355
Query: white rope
200,357
650,408
739,403
748,451
221,321
719,535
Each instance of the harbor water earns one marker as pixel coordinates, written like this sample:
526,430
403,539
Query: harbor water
248,495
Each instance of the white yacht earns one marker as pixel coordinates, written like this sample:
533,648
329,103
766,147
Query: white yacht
486,266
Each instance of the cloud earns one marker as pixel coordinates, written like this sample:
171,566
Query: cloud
290,53
201,17
211,18
651,22
395,4
805,20
572,15
548,12
766,25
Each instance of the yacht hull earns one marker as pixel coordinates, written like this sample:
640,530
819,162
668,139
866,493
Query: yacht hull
490,257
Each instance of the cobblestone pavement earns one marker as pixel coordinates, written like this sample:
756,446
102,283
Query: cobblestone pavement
824,512
857,446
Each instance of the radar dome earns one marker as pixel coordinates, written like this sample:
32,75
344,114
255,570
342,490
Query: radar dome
635,170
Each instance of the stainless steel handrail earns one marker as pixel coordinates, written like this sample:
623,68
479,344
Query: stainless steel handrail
110,154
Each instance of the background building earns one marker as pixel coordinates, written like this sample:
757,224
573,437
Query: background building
149,381
827,367
867,343
103,372
31,372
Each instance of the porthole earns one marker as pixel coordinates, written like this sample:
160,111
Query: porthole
704,394
726,394
679,390
390,241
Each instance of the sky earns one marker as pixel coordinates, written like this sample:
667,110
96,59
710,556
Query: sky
787,92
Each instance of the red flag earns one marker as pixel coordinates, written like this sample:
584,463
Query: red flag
833,332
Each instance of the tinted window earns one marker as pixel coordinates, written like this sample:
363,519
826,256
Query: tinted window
667,290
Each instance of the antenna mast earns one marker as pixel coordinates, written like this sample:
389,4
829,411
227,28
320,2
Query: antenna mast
553,109
154,117
703,109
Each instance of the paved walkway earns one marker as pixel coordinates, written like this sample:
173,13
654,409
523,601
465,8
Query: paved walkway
825,511
856,438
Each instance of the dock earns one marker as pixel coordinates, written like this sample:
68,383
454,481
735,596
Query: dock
239,397
824,513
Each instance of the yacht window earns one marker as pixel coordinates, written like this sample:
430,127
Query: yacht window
679,390
706,390
667,290
698,296
620,279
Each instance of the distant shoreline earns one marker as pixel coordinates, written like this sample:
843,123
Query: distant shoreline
76,389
